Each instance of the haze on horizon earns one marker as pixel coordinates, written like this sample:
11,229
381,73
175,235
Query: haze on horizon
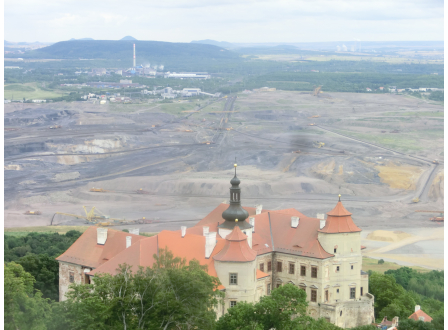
243,21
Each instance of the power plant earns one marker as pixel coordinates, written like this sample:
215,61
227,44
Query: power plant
134,57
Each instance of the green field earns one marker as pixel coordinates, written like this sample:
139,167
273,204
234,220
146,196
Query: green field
23,231
177,108
28,91
372,264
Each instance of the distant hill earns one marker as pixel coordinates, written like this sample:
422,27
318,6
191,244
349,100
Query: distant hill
128,38
82,39
223,44
175,56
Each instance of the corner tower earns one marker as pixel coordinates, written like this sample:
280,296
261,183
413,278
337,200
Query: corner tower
235,215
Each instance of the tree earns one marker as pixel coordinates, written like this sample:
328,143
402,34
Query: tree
168,295
23,308
410,324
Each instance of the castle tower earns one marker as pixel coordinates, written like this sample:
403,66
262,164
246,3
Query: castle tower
235,265
340,236
235,215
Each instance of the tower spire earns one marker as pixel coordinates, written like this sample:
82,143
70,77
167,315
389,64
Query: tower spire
235,215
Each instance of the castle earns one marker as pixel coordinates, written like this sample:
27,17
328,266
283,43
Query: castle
250,258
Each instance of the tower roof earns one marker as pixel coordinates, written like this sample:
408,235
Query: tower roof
339,220
235,215
236,248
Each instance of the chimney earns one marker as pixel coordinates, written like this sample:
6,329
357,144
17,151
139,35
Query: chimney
135,231
258,209
205,230
128,241
183,229
320,216
395,321
101,235
210,243
134,55
322,224
252,223
294,222
417,308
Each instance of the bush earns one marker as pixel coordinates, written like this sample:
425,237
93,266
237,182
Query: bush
380,262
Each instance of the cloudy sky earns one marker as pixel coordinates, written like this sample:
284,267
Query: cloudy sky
224,20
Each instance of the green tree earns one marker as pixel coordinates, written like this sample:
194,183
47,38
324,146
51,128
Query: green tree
23,308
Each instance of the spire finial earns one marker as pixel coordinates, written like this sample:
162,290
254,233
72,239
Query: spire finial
339,197
235,165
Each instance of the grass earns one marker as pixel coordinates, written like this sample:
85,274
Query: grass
29,91
23,231
177,108
372,264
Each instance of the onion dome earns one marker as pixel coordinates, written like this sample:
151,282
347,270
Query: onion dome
235,215
339,220
236,248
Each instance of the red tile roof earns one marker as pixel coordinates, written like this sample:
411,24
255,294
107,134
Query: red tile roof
86,252
339,220
415,316
236,248
261,274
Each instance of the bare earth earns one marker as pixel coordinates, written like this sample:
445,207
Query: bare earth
378,153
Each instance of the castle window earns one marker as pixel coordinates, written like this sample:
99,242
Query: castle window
87,279
303,288
314,272
291,268
337,290
351,266
268,290
279,266
335,250
302,270
337,269
269,266
262,267
233,279
362,291
72,277
232,303
326,295
279,285
314,295
352,293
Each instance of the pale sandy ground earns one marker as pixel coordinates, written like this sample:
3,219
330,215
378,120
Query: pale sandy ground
423,247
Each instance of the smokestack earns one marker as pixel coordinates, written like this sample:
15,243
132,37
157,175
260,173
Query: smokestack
210,243
417,308
101,236
134,56
322,224
205,230
183,229
252,223
128,241
294,222
258,209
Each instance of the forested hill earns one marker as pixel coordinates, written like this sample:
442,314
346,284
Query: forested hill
146,51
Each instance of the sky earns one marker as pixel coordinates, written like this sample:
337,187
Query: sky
238,21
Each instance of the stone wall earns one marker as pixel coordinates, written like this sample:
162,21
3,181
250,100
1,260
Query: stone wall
67,273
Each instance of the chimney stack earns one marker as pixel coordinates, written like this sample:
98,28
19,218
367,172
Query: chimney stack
252,223
210,243
258,209
294,222
101,235
205,230
322,224
134,56
320,216
417,308
128,241
183,229
135,231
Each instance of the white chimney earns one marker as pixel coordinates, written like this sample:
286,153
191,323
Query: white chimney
252,223
294,222
101,235
128,241
417,308
210,243
205,230
322,224
258,209
135,231
320,216
183,229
